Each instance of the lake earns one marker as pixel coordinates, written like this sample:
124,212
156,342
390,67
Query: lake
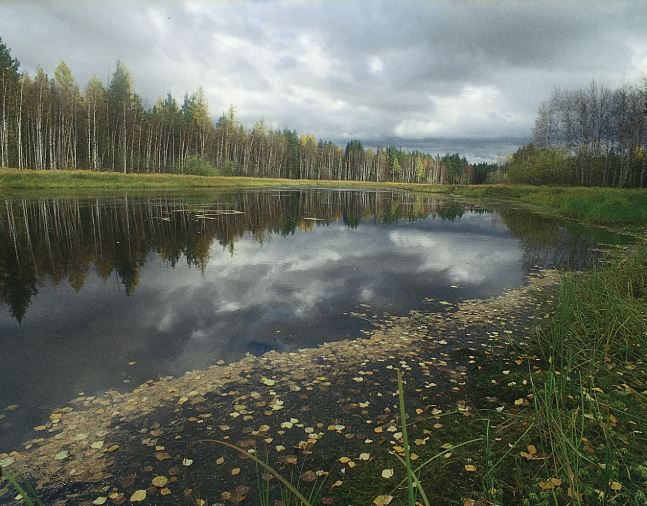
112,291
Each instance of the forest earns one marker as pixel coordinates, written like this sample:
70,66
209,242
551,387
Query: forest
594,136
50,123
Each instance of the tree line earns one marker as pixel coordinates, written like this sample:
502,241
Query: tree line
50,123
593,136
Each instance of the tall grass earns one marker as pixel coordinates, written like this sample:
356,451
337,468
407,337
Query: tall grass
595,343
26,495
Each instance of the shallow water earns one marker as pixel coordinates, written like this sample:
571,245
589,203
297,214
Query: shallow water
109,292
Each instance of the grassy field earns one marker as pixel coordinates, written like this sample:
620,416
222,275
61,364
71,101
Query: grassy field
13,179
606,206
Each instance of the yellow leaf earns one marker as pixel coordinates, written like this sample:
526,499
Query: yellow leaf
615,485
138,496
364,456
550,483
159,481
470,468
387,473
382,500
235,471
336,484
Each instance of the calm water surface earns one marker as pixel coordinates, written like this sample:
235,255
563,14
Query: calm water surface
100,293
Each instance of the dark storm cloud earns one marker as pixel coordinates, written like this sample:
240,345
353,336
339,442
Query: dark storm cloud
370,69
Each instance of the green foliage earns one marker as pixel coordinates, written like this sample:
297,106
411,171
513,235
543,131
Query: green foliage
555,166
541,166
585,401
8,65
198,166
485,172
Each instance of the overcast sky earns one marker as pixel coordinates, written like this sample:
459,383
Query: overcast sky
340,69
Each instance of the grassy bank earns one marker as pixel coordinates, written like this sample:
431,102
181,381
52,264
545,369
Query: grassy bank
599,206
25,180
590,403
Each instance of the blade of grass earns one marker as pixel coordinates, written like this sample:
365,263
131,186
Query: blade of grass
266,466
405,438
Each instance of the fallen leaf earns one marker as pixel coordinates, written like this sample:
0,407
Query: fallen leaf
309,476
382,500
138,496
550,483
159,481
387,473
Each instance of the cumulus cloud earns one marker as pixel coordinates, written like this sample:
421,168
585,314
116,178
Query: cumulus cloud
373,69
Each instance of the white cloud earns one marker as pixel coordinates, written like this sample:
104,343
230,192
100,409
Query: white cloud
344,69
475,111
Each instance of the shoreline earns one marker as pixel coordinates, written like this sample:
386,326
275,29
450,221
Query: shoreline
67,459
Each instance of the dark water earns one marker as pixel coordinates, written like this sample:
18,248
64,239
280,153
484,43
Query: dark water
172,283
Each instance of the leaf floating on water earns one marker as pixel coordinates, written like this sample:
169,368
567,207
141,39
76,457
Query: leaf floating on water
383,500
97,445
615,485
182,400
364,456
338,483
61,455
239,494
235,471
470,468
138,496
165,491
267,381
6,462
100,500
387,474
309,476
220,460
187,462
160,481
